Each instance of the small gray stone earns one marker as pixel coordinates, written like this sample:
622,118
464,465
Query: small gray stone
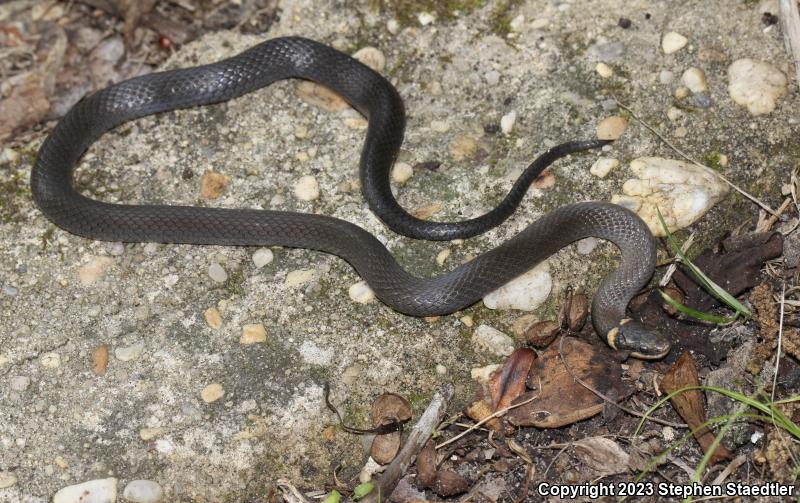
262,257
217,273
93,491
609,51
143,491
666,77
9,290
129,353
116,249
20,383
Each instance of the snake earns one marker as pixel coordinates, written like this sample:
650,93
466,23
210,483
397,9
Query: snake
380,103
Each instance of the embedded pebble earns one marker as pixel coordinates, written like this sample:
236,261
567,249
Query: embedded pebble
695,79
683,192
262,257
604,70
441,257
4,359
402,172
611,128
50,360
372,57
7,480
148,434
666,76
517,23
441,369
393,27
93,491
116,249
681,92
607,51
143,491
94,270
673,42
466,320
674,113
756,85
11,291
440,126
19,383
540,23
299,277
212,392
212,184
217,273
213,317
320,96
253,334
483,374
586,246
491,340
492,77
129,353
507,122
603,166
361,292
426,18
526,292
462,147
307,188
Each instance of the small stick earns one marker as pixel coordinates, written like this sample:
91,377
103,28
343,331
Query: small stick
791,32
417,438
487,419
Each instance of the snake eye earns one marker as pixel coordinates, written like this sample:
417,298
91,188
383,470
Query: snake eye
640,341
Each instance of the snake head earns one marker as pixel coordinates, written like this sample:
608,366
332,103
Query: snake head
638,340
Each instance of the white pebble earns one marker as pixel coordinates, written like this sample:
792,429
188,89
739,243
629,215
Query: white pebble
361,293
129,353
299,277
116,249
393,27
507,122
50,360
517,23
492,77
307,188
490,340
426,18
695,79
441,369
402,172
440,126
586,246
441,257
604,70
673,42
526,292
674,113
19,383
666,76
93,491
217,273
483,374
143,491
7,480
756,85
603,166
262,257
372,57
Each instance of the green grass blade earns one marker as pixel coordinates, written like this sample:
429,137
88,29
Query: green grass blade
688,311
715,290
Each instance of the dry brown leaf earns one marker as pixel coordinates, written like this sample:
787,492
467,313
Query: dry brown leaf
427,211
449,483
541,334
689,404
602,455
25,106
558,399
426,465
509,381
385,447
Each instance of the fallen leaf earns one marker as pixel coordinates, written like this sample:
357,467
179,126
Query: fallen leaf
449,483
558,399
689,404
426,465
509,382
542,333
602,455
385,447
25,106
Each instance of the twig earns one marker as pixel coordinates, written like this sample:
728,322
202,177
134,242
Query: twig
606,397
733,465
417,438
774,218
290,492
791,32
692,160
486,419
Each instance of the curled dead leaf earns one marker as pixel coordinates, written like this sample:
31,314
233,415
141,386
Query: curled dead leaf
426,465
385,447
541,334
449,483
509,382
602,455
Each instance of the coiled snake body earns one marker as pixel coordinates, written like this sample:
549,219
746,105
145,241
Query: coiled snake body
376,99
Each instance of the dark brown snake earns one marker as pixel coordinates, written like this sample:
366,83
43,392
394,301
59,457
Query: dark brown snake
376,99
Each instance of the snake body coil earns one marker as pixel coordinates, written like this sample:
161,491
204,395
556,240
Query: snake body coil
376,99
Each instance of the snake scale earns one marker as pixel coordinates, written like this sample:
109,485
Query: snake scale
375,98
